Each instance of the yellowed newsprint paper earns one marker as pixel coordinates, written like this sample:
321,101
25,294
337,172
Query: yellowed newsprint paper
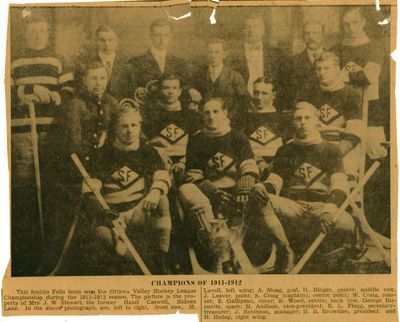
232,159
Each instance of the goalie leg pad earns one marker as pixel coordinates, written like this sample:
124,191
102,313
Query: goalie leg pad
198,206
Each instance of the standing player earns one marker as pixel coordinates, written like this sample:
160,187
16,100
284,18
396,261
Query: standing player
41,77
134,182
220,164
307,184
265,127
360,57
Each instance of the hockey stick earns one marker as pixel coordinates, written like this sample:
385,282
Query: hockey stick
35,149
117,225
359,213
300,264
67,243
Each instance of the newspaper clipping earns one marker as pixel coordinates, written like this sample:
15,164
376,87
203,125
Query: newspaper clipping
232,159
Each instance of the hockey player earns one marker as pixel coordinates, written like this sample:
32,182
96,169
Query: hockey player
83,128
41,77
265,127
105,51
360,57
307,184
339,108
87,118
134,182
169,125
220,164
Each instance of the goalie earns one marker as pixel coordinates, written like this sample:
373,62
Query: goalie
220,164
306,186
132,178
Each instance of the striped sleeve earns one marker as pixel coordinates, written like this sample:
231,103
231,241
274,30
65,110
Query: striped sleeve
281,167
247,163
66,77
338,179
160,177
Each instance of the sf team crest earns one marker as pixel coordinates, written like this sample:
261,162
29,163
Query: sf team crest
125,176
172,133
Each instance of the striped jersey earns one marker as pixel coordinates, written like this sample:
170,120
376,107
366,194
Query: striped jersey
309,173
266,132
38,67
221,159
127,176
172,127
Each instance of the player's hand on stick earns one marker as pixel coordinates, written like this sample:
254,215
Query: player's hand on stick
222,197
55,98
42,93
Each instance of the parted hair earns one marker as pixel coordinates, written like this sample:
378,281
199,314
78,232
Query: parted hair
92,65
220,100
104,28
266,80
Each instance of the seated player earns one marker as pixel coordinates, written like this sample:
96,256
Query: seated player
339,108
306,185
220,163
168,125
265,127
132,178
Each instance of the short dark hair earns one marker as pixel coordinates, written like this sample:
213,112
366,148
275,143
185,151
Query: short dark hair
92,65
217,99
104,28
170,76
266,80
159,22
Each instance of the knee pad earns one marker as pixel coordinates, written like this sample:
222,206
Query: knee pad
105,234
163,207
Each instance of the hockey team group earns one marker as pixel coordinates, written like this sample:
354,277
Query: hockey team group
147,166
